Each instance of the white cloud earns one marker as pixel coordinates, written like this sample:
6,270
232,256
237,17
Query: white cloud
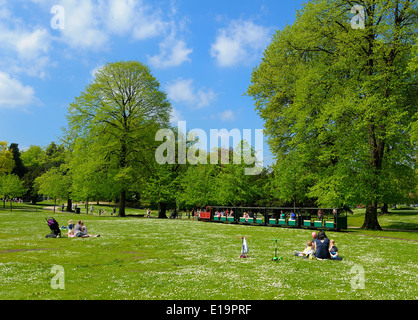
227,115
183,91
173,52
14,94
133,17
240,43
31,45
120,16
83,24
24,49
92,23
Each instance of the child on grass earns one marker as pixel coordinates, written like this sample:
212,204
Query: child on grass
333,250
70,227
307,252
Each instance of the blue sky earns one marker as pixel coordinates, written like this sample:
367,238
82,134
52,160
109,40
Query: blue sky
202,53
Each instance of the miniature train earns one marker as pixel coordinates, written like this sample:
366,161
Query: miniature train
308,218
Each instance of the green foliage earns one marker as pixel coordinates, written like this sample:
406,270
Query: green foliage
341,101
6,158
55,184
33,157
198,187
117,116
11,187
19,168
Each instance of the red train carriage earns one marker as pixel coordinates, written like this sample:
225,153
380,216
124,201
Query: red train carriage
206,215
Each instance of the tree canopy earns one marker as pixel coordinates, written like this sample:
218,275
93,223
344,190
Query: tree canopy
117,115
343,100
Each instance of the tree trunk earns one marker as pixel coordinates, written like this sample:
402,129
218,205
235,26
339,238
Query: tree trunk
123,165
122,203
162,209
69,205
384,208
370,220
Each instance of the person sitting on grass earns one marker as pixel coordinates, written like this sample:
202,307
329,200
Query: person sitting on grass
308,252
333,251
70,227
322,246
81,231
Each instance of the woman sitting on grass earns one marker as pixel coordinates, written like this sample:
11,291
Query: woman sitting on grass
322,246
81,231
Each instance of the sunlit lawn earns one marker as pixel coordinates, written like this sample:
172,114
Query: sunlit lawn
138,258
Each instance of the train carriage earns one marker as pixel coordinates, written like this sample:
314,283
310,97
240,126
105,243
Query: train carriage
285,217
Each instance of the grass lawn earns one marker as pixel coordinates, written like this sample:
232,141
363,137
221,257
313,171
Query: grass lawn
137,258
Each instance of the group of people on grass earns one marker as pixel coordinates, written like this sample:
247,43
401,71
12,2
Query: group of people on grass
78,230
320,247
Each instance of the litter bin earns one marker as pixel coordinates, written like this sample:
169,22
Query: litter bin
77,210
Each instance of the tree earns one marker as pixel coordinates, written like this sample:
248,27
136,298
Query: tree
198,187
342,99
6,159
19,168
291,180
34,161
233,186
11,187
91,180
161,186
54,184
115,114
54,156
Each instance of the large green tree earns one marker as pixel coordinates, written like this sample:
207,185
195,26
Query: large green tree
91,178
337,91
38,160
11,187
54,183
115,114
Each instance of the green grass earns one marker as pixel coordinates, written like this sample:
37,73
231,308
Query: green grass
406,219
137,258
